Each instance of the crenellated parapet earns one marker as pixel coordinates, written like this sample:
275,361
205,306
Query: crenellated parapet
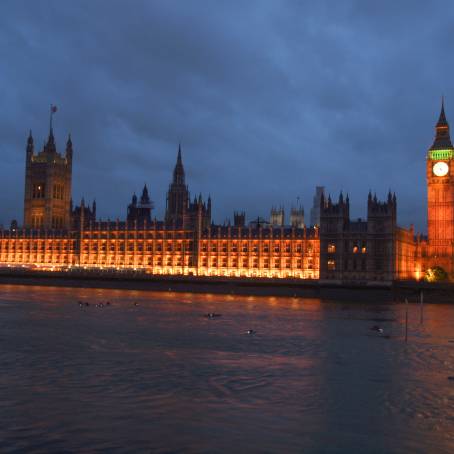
376,207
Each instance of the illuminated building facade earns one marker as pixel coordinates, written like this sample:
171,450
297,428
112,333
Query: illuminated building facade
56,235
185,243
156,249
440,198
372,250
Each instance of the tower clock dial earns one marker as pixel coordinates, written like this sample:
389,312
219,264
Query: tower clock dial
440,169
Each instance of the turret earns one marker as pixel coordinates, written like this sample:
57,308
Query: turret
297,217
377,208
318,201
140,211
340,209
277,216
145,198
239,218
30,145
50,146
83,215
69,149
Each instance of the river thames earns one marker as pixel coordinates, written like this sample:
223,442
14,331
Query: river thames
151,373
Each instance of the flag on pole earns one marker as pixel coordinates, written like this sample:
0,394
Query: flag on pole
53,109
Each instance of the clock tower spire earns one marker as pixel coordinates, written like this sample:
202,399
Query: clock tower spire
442,138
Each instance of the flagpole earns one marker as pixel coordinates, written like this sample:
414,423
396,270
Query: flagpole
50,119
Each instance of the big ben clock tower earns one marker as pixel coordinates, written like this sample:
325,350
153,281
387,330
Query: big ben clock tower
440,196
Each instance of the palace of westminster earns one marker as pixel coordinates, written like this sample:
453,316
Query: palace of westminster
56,235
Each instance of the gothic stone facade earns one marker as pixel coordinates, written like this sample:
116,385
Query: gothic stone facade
47,195
186,242
372,250
158,249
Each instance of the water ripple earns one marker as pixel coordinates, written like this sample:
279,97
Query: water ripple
161,377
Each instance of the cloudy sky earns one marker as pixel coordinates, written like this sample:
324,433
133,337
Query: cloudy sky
269,98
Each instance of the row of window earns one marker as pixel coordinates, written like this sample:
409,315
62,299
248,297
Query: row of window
39,191
57,222
28,247
132,234
204,244
356,249
103,247
331,265
42,259
159,261
255,248
37,221
255,264
58,192
178,246
169,247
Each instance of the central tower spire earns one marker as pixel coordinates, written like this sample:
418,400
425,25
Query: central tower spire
178,172
178,195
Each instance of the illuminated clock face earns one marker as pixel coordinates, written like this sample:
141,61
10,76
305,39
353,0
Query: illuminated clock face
440,169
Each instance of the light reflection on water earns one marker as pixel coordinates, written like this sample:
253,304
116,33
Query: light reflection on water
161,377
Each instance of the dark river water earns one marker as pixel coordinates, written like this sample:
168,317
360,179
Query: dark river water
160,377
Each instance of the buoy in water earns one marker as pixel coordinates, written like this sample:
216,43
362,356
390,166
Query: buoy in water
377,328
212,315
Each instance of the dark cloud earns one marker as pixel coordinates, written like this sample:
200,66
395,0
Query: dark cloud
269,98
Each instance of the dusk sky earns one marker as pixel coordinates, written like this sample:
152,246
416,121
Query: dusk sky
268,98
